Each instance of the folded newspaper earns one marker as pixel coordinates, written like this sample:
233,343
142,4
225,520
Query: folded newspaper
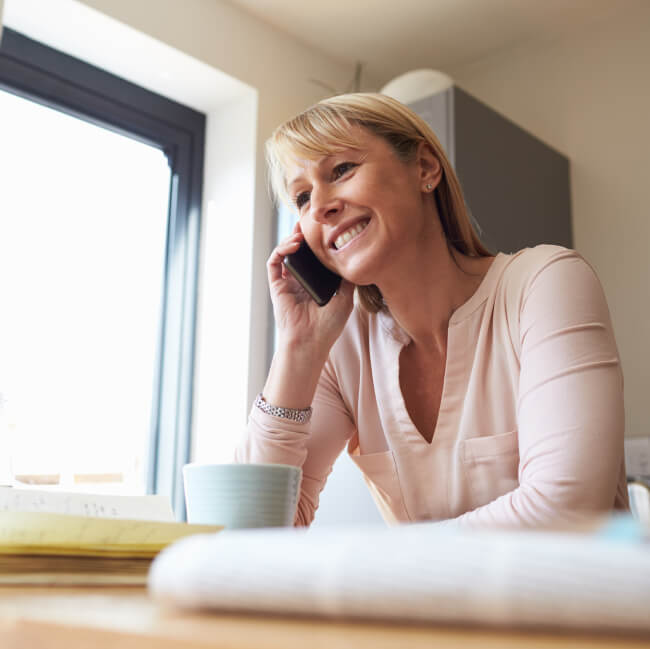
417,573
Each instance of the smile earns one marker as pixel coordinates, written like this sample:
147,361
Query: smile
350,234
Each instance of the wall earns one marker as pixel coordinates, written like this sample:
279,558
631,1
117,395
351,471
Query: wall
222,359
279,69
589,97
277,66
197,52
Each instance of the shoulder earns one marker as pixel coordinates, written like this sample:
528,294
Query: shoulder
524,267
557,268
550,288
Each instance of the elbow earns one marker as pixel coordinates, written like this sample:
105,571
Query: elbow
305,512
564,501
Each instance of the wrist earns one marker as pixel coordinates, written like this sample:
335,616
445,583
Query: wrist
298,415
301,343
301,353
294,375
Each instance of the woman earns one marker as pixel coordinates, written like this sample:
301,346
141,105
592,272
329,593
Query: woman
484,389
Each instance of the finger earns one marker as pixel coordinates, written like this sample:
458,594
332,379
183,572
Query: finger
275,264
296,236
346,289
287,245
344,295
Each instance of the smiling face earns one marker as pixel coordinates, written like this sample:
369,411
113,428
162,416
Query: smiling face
363,209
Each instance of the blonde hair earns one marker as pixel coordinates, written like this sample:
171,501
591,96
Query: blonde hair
328,127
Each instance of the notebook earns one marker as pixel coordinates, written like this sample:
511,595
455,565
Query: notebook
59,538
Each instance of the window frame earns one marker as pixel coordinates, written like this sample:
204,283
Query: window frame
40,73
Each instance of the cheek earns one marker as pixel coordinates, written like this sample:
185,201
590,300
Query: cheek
312,235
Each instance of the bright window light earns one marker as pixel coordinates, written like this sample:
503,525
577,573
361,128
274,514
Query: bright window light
83,219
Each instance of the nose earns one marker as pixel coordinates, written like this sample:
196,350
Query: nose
324,203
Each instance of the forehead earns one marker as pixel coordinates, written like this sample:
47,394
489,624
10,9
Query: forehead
299,165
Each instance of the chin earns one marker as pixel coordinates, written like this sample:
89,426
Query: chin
360,276
364,270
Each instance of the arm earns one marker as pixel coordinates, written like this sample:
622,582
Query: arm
314,446
299,378
570,403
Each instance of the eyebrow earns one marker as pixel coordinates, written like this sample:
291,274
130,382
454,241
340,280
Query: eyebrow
299,177
319,163
293,182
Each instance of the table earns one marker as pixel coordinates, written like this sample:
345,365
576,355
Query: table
125,618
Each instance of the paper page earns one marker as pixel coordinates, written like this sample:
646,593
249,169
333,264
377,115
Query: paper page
152,508
36,532
413,572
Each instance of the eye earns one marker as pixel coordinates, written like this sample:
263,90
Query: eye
301,199
341,169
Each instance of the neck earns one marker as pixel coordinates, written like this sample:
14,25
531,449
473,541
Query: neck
424,289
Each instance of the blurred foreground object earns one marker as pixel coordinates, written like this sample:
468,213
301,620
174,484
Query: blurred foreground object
639,494
598,580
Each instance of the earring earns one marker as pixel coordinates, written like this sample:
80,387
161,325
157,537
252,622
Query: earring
428,187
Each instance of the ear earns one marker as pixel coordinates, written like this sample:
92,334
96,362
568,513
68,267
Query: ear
429,167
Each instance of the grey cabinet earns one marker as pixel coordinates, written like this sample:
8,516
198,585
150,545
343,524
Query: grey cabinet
516,187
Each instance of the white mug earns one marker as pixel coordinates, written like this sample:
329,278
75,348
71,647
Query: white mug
241,495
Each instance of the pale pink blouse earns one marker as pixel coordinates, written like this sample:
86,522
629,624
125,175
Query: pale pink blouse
530,428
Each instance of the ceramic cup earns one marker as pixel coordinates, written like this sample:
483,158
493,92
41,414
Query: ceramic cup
241,495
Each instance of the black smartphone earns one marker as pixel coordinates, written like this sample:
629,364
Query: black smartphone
318,280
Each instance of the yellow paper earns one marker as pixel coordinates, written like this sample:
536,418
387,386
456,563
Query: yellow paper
42,533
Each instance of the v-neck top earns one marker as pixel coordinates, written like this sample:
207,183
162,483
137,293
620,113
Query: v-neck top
531,421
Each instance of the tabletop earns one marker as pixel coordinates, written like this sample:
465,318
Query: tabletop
125,617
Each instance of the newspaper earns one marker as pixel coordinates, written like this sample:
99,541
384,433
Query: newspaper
418,573
152,508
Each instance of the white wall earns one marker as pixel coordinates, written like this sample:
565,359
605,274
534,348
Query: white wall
222,359
589,97
279,69
277,66
247,78
238,212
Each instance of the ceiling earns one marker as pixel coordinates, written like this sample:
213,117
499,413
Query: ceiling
390,37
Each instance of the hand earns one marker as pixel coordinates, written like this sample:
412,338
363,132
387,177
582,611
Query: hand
299,319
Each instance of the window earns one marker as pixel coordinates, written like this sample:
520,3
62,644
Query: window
99,232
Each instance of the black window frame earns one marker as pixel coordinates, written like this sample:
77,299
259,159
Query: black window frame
40,73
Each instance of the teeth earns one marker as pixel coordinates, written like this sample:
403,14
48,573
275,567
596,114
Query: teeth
343,238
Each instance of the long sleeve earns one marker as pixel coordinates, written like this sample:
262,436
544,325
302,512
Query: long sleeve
530,428
313,446
569,405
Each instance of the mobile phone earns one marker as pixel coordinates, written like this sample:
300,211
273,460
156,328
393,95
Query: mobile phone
318,280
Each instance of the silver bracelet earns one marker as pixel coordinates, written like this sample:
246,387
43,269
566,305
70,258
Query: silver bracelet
300,416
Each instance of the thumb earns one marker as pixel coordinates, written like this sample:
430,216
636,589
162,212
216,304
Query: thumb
345,290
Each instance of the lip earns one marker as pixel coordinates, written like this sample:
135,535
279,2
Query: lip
341,228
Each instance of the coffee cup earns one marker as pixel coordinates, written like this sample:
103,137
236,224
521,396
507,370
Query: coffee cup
241,495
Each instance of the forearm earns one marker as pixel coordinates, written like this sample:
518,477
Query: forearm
312,445
294,375
272,440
